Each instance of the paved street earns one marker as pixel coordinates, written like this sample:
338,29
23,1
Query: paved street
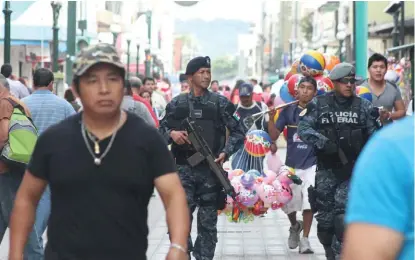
265,238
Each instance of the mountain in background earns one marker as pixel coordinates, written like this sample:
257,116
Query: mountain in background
217,38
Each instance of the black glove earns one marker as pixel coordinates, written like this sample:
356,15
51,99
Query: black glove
330,148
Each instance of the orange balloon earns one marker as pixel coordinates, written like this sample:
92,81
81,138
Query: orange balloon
294,67
331,61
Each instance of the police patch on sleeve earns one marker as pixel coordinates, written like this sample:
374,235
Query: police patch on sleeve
303,112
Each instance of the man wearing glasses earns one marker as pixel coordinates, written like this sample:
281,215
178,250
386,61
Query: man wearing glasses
337,124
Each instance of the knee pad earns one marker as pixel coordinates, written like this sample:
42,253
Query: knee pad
325,235
339,226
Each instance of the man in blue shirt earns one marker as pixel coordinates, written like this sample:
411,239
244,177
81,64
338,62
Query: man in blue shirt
46,109
301,157
380,213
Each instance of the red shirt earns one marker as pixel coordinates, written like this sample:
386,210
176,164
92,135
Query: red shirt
150,109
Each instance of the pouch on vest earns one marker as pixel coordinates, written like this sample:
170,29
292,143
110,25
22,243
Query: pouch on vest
21,140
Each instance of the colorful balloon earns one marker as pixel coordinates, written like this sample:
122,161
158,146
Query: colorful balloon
312,63
254,173
267,193
247,180
324,85
292,84
331,61
288,75
285,94
270,176
364,92
257,143
247,197
295,67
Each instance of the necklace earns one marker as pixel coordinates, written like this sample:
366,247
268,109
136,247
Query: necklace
98,160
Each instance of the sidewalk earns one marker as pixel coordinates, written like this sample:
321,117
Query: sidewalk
265,238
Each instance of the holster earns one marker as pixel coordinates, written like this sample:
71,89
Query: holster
221,200
312,198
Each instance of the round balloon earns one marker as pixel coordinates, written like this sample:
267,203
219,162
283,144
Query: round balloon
257,143
285,94
247,197
324,85
292,84
331,61
364,92
312,63
278,101
288,75
295,67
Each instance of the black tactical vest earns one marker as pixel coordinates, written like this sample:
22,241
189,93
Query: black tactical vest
343,126
207,118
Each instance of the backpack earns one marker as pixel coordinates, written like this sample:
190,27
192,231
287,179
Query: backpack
22,138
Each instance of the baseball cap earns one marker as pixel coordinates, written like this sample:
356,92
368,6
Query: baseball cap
245,90
197,63
100,53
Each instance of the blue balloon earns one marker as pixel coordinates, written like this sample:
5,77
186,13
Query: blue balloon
285,95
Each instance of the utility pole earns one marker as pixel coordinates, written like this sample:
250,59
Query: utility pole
137,72
7,13
402,30
56,7
360,37
148,50
70,40
128,58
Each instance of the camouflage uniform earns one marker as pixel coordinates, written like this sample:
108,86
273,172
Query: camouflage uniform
330,191
201,186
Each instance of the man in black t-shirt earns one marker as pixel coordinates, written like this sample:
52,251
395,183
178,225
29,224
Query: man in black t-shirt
102,166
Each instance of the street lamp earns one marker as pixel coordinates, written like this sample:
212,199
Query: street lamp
147,51
128,37
7,13
137,72
56,7
341,35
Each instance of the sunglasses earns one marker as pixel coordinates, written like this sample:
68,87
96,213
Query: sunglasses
347,80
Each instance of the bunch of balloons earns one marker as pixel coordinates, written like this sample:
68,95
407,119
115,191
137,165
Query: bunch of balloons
257,192
312,63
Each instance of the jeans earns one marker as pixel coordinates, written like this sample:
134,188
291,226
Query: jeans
9,184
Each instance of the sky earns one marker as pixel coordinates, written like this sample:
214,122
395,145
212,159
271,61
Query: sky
246,10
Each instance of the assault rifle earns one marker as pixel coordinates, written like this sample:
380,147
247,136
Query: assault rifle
203,152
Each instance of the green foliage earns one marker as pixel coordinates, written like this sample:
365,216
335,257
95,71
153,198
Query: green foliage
306,25
224,67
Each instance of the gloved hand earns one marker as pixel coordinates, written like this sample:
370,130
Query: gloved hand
330,148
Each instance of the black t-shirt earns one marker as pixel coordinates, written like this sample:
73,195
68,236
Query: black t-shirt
100,212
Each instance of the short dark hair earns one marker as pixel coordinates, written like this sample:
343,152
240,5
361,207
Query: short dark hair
148,79
214,81
6,70
255,81
69,96
42,77
377,57
167,81
135,82
308,79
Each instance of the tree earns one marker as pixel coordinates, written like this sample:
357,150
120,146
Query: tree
224,67
306,25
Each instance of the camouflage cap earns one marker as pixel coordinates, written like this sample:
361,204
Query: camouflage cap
342,70
100,53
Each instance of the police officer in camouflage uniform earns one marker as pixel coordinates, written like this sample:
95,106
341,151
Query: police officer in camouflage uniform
337,124
213,113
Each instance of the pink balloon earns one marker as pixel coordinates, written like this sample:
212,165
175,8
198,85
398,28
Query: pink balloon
273,162
285,195
267,194
283,175
270,176
236,183
278,101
